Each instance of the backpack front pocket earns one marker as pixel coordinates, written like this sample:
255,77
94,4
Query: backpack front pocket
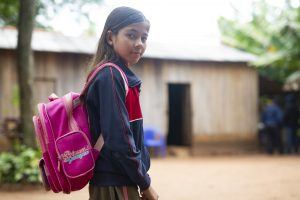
75,154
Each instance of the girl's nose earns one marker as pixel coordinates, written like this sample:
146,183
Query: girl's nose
139,42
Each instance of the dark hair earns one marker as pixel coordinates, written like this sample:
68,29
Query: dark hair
116,20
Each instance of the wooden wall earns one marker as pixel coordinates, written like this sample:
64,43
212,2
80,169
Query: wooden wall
8,85
223,96
58,73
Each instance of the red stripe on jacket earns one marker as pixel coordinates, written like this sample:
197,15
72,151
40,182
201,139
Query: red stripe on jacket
133,104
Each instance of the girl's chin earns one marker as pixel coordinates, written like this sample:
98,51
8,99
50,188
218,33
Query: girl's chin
134,61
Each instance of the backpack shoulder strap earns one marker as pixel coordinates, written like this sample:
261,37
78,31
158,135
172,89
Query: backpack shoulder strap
100,67
73,126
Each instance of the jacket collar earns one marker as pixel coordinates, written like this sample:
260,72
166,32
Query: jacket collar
133,80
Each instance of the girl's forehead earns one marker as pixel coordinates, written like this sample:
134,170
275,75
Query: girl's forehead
139,27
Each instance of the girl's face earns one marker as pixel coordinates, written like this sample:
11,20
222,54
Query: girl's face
130,42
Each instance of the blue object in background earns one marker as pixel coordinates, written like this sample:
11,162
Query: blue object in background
153,138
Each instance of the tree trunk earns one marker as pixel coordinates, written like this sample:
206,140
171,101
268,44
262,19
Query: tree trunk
25,69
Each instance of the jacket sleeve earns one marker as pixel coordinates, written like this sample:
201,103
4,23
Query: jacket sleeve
115,126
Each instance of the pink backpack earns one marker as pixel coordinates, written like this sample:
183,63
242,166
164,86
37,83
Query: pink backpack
62,131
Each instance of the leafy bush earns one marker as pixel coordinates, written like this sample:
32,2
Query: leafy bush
20,166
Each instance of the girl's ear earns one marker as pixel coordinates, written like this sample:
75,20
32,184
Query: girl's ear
109,38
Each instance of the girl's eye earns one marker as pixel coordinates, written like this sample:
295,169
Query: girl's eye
144,39
131,36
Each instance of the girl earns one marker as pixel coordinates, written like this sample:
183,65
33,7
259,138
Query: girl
112,102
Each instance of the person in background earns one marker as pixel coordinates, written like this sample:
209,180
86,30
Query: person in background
290,124
272,117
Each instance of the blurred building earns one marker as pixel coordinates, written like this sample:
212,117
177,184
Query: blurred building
201,95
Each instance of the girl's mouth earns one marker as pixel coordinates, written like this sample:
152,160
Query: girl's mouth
136,54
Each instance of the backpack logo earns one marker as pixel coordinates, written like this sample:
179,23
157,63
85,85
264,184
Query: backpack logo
70,156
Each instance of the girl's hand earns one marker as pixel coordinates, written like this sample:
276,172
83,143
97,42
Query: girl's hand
149,194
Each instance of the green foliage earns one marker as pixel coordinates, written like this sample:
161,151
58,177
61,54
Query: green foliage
46,9
273,34
9,12
20,166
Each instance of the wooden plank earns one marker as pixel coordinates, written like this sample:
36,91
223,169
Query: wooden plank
9,85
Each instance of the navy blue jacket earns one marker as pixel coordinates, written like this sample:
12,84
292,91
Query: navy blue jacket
123,160
272,116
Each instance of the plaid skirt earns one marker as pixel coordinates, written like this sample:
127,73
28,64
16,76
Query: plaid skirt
114,193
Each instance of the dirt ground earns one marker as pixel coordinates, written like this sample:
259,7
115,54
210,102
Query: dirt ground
255,177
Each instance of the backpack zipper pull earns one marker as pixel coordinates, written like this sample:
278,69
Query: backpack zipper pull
58,164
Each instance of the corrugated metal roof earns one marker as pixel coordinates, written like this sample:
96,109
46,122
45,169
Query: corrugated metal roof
208,49
49,41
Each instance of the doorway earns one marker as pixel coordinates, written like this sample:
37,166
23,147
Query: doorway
179,107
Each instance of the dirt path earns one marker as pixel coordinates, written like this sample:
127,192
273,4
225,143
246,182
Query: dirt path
229,178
